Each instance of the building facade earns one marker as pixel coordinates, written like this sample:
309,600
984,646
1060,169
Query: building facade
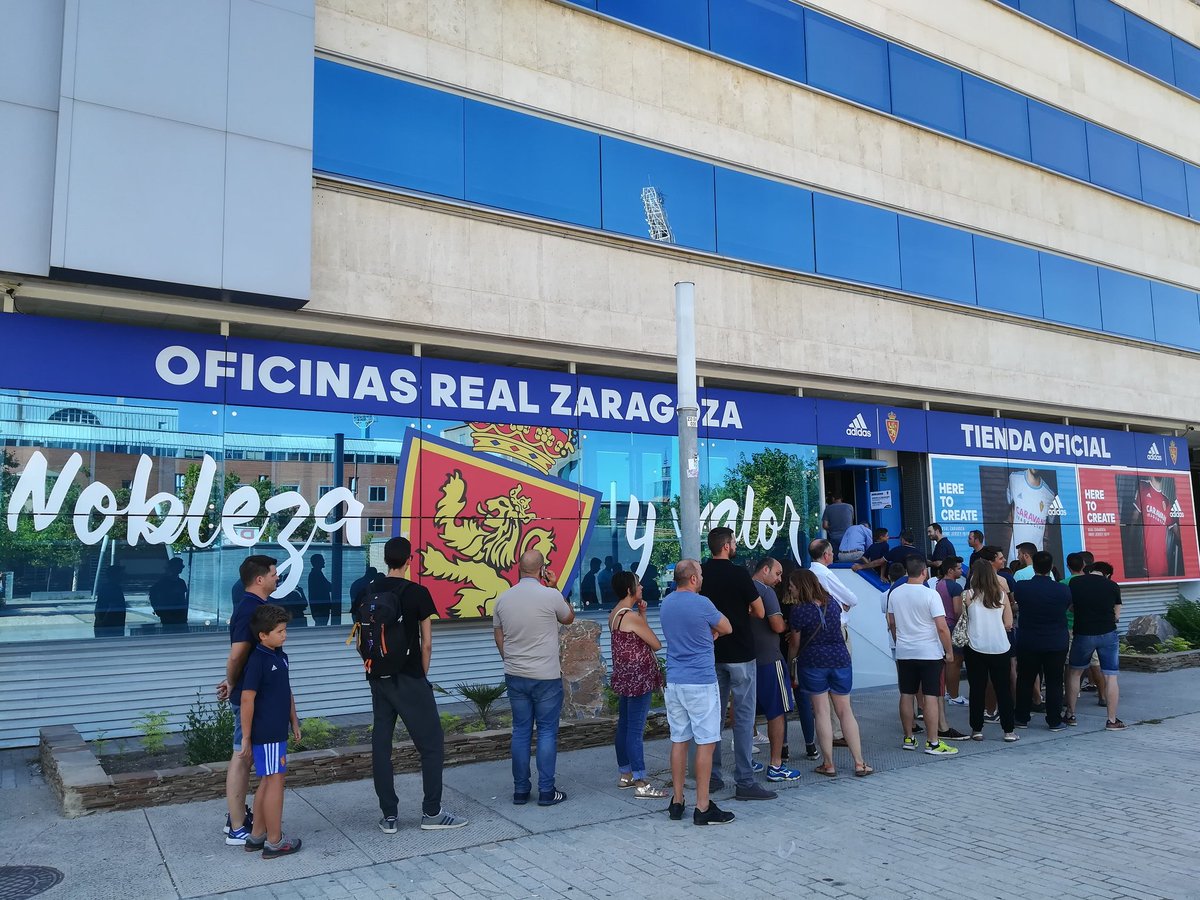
292,279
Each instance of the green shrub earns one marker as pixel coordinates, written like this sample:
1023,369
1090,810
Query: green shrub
1178,644
611,701
1185,616
482,696
208,734
449,721
315,734
153,726
472,727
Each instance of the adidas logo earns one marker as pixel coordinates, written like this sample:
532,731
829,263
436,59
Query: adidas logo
1056,508
858,428
1176,511
1153,454
274,668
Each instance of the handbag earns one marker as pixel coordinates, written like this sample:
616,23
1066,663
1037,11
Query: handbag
962,635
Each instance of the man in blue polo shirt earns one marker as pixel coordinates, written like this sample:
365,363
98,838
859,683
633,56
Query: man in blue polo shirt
875,556
259,580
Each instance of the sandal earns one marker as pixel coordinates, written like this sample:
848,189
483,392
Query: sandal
863,771
644,790
625,781
827,771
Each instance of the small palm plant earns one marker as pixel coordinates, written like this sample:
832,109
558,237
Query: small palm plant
482,696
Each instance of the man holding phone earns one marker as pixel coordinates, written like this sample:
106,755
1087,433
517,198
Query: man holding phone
525,626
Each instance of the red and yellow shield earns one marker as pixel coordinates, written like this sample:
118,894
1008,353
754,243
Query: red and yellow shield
892,424
471,514
1173,452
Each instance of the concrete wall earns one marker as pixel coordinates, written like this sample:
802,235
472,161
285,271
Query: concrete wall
565,61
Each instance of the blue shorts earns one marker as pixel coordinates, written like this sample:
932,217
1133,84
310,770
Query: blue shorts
270,759
774,690
834,680
1106,646
237,727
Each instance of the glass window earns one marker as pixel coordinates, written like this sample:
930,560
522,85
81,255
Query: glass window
375,524
523,163
1007,277
846,61
1058,140
382,129
684,185
1114,161
1163,181
1191,175
996,117
1149,48
1125,304
764,221
377,493
1187,66
1070,291
1176,315
1058,14
856,241
684,20
936,260
768,34
1101,24
926,91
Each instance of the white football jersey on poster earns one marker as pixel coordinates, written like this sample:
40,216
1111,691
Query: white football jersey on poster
1030,509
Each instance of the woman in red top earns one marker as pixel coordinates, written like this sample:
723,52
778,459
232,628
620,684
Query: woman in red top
635,678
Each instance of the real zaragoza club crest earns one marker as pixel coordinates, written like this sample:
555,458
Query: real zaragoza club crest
470,515
1173,452
892,423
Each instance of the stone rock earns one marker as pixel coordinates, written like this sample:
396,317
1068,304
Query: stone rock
1146,631
583,671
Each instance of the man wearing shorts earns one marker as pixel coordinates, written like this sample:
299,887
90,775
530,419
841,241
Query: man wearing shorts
775,698
690,624
917,622
1096,602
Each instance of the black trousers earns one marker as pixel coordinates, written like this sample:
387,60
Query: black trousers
994,667
412,700
1049,664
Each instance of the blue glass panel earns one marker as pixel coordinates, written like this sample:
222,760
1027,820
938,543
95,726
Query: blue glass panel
381,129
1007,277
996,117
1163,182
1058,140
1192,175
764,221
846,61
936,260
926,91
1101,23
768,34
856,241
684,20
1149,48
1058,14
1176,316
1070,291
523,163
1114,161
686,186
1187,66
1125,304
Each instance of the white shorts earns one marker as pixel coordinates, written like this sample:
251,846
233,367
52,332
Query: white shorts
693,712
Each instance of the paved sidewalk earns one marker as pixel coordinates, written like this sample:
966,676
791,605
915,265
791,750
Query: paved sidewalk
1081,814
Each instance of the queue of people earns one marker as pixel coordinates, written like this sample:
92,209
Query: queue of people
736,648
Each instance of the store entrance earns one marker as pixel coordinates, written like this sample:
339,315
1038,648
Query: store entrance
853,480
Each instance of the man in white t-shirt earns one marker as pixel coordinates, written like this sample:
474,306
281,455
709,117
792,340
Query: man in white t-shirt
917,622
1030,498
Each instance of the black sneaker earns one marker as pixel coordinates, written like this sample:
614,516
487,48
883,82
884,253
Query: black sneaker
917,729
1022,724
783,754
255,844
953,734
811,752
752,792
551,798
714,815
675,811
1112,725
715,784
993,717
1070,720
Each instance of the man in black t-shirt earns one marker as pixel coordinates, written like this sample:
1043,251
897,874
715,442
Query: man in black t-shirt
942,548
402,689
1096,602
905,550
731,590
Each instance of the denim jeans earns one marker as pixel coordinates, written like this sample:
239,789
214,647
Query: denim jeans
631,726
534,700
804,710
740,679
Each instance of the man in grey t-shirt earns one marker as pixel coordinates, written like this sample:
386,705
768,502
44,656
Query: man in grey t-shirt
775,699
525,626
835,519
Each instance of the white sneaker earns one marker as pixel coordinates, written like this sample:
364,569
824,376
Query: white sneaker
760,738
957,701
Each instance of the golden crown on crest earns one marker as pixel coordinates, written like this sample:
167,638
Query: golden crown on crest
536,445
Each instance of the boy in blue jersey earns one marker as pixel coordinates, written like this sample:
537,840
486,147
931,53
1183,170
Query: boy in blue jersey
268,708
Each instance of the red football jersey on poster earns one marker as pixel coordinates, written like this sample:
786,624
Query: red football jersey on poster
1155,519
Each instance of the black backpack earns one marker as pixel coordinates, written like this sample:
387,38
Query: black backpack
379,628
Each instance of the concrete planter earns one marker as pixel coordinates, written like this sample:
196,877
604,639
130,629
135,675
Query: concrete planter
83,787
1160,662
